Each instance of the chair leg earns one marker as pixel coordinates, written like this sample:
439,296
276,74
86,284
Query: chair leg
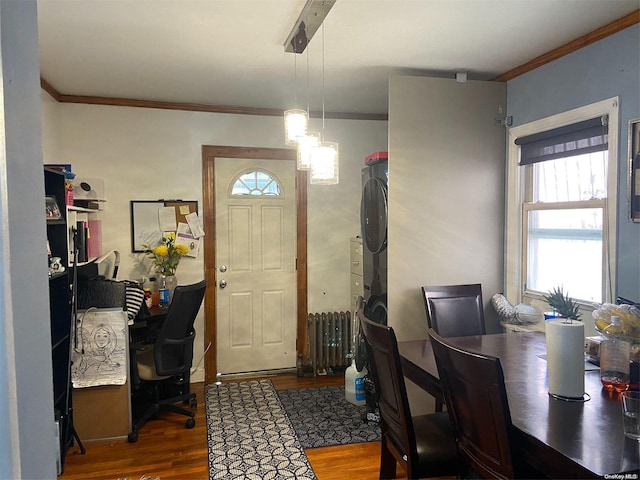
175,409
157,404
387,461
144,418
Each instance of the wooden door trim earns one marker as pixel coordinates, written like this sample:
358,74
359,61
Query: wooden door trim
209,155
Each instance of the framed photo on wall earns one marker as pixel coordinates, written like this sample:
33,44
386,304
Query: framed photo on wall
634,170
52,209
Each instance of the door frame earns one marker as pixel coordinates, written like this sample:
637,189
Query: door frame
209,155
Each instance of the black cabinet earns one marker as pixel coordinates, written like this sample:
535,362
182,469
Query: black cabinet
60,304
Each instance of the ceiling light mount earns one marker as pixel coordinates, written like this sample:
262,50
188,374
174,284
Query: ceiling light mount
300,41
308,22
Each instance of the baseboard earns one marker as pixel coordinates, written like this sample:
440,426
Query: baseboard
197,375
259,373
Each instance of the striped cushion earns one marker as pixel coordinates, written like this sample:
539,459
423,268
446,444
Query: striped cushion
134,298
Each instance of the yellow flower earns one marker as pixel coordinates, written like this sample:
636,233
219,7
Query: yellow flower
181,249
167,255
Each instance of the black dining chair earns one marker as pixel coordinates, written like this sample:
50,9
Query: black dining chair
161,365
423,444
476,398
455,310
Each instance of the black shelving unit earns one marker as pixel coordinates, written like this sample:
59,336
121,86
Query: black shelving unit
60,306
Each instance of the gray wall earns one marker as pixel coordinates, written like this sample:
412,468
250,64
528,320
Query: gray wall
605,69
27,440
446,193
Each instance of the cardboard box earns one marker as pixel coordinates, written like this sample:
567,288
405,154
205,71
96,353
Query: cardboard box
592,348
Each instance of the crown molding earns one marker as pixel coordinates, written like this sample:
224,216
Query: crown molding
47,87
196,107
581,42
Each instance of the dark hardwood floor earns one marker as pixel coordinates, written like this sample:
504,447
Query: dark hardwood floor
167,450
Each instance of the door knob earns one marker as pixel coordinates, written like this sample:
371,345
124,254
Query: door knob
223,268
223,283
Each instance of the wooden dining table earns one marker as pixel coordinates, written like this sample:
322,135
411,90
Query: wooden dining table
562,439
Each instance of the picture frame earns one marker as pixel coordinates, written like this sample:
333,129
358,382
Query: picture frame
634,170
52,210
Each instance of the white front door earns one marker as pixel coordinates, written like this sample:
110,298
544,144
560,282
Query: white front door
255,259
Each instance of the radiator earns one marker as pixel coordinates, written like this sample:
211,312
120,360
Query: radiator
330,341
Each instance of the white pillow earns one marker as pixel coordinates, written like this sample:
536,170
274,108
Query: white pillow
527,314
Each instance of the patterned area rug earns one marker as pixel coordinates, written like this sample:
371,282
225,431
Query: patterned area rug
323,417
249,434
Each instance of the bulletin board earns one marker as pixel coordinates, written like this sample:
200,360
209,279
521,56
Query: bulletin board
146,221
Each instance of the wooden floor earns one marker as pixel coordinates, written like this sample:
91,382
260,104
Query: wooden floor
167,450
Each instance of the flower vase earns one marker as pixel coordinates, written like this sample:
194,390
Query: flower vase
170,282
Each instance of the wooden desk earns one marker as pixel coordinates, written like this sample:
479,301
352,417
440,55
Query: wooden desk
562,439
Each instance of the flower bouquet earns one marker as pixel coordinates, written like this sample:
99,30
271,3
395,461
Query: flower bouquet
166,256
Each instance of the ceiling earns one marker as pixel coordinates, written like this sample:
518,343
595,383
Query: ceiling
231,52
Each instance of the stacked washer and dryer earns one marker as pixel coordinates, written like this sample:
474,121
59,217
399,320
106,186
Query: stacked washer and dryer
373,218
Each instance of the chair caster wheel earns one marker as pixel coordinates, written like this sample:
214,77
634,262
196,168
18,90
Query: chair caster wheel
193,403
132,437
190,423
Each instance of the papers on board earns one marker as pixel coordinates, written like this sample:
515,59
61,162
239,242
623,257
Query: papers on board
186,237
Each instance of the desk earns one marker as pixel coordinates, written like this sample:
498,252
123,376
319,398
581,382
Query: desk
138,328
562,439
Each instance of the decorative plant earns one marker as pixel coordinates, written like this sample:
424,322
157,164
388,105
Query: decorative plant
166,256
562,304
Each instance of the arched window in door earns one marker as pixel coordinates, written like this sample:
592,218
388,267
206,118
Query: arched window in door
256,183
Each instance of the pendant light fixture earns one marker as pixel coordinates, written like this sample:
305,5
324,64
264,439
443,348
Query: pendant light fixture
324,164
306,145
324,157
296,120
295,125
308,141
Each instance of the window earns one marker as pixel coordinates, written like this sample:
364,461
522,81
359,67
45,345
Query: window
560,225
256,183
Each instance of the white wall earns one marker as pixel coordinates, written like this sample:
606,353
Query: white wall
147,154
446,193
446,198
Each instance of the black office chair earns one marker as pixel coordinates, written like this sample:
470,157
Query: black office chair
476,398
424,444
455,310
161,365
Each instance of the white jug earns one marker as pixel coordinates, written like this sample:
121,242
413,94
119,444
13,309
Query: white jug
354,384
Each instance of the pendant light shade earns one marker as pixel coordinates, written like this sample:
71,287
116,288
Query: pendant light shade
295,125
305,147
324,164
